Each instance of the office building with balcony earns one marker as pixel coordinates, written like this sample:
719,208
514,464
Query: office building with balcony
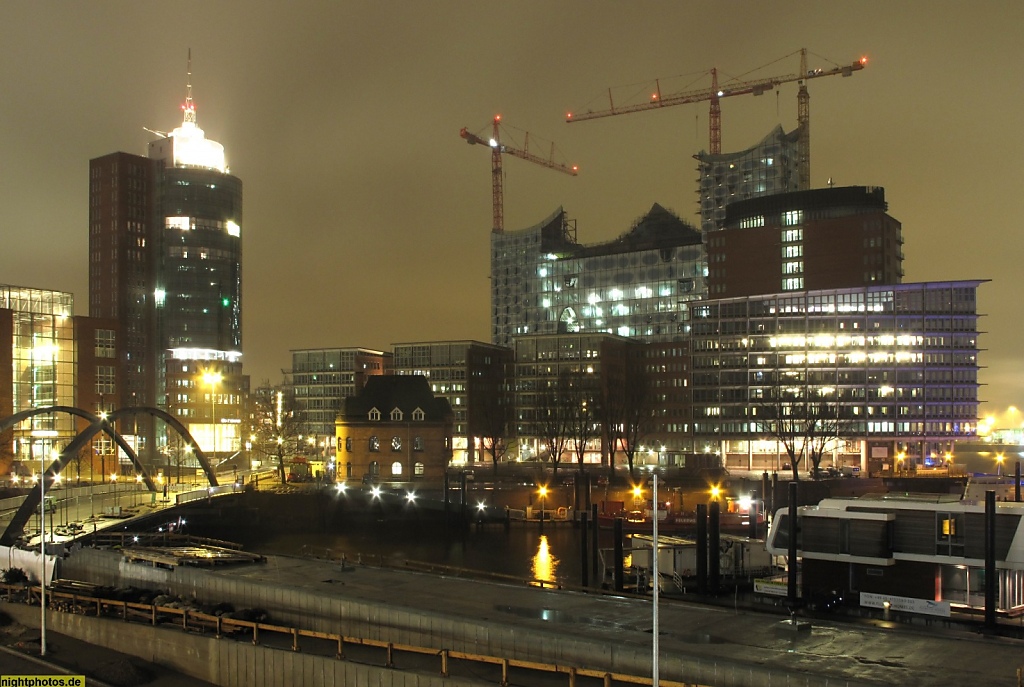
895,366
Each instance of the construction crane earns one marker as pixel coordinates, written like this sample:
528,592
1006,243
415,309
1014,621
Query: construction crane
497,148
754,87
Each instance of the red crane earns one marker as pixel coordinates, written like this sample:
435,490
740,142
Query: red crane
497,148
715,93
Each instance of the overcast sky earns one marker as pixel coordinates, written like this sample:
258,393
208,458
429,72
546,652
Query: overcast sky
367,218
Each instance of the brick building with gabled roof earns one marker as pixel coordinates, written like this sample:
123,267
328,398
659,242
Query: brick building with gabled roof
394,430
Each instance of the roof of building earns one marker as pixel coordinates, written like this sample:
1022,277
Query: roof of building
776,135
848,199
659,228
405,392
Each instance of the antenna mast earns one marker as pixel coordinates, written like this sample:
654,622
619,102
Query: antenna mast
189,107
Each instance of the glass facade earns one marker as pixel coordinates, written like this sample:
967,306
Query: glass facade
43,366
898,363
639,286
768,168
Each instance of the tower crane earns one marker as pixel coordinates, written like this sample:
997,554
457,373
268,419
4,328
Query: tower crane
497,148
715,93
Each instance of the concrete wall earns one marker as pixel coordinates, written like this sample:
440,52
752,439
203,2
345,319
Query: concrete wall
223,662
354,618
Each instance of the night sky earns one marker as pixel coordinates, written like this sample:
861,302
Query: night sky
367,218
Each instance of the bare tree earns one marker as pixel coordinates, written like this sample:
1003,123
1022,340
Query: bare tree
277,428
823,426
627,407
804,427
582,402
552,420
492,421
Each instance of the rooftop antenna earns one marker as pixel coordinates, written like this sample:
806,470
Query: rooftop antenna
189,107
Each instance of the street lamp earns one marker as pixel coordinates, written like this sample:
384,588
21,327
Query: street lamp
113,480
999,463
212,379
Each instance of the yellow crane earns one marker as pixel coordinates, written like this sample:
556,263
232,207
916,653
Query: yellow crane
716,92
497,149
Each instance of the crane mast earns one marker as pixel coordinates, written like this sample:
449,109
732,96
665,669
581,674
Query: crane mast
715,93
497,149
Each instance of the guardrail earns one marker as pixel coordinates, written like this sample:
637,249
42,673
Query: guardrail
190,620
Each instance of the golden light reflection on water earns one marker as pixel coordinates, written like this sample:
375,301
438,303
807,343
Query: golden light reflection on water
545,565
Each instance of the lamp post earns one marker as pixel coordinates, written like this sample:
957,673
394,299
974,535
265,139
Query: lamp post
113,480
542,492
212,379
42,553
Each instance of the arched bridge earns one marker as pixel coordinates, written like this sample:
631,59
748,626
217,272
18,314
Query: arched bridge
97,424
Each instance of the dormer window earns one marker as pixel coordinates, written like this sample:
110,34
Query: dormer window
374,415
396,415
418,415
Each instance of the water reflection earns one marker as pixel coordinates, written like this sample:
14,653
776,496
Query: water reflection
544,564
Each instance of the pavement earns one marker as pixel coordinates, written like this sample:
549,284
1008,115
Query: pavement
873,653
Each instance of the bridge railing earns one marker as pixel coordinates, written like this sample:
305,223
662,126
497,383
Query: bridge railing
388,653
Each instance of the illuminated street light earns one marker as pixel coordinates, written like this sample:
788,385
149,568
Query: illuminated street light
212,379
542,491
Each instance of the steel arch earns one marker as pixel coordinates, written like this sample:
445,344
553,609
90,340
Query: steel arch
97,425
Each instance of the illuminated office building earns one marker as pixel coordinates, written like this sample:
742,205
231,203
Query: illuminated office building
165,243
49,357
896,365
321,379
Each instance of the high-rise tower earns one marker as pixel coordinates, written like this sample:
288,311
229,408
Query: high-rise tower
165,246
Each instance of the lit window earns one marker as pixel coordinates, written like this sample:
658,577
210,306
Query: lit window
374,444
417,469
396,469
791,218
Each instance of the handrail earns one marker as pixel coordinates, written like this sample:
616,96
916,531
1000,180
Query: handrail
187,619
